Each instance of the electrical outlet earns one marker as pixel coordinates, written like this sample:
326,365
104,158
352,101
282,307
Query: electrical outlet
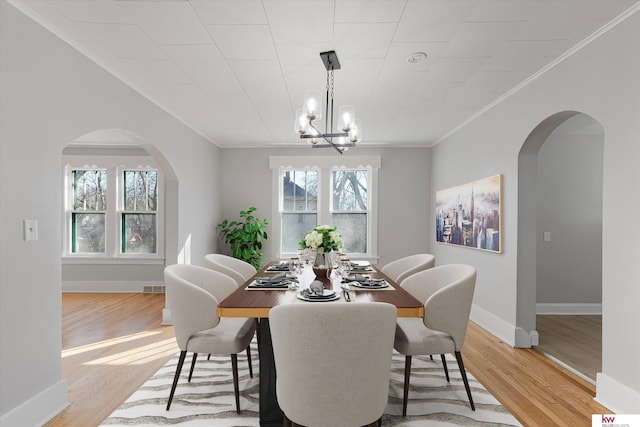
547,236
30,229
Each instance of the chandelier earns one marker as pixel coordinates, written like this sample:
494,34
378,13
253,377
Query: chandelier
348,130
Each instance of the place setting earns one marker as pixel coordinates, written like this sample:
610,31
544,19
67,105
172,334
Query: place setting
362,281
282,266
279,281
316,293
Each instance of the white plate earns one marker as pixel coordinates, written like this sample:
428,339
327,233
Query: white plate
373,286
327,292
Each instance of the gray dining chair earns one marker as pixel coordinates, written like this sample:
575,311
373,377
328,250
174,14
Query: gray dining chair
402,268
239,270
193,293
447,292
333,361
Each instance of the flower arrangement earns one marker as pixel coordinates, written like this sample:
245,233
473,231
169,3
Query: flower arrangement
322,238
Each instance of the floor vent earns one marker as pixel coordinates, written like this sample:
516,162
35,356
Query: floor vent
153,289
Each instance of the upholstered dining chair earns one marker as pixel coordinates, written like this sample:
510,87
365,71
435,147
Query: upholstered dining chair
193,293
333,361
235,268
402,268
447,292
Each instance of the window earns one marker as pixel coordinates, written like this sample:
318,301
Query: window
139,214
299,197
89,211
349,208
113,211
326,190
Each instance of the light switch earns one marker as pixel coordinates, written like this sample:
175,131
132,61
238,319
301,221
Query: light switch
30,229
547,236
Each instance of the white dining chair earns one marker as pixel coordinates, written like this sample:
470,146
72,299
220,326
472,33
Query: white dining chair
239,270
193,293
333,361
447,292
402,268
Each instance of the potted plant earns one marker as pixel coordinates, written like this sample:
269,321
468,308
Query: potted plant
245,237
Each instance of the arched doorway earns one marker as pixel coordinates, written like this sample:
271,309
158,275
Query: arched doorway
560,221
118,145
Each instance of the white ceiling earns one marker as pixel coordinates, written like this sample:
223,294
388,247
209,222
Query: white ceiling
236,70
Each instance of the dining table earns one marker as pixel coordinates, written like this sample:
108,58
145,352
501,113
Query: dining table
258,295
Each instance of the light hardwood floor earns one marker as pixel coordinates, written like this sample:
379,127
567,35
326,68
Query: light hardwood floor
573,340
112,343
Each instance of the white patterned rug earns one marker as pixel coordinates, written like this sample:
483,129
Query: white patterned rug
209,400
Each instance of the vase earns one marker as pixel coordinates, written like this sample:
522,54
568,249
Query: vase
322,266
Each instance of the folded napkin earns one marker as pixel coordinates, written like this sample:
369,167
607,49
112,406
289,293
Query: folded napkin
371,283
357,278
360,267
283,266
311,294
270,280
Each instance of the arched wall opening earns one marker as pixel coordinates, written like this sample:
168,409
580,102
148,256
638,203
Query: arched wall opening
87,275
560,168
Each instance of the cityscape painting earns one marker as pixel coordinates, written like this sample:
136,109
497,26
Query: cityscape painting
470,214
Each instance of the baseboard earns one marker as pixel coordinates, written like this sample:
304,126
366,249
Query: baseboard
113,287
494,324
569,308
39,409
616,396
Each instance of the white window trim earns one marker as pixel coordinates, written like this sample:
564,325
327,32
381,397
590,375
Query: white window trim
115,166
325,165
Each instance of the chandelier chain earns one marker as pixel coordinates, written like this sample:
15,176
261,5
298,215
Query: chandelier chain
332,86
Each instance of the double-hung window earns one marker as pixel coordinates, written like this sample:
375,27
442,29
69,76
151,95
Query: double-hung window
113,211
89,211
138,218
326,190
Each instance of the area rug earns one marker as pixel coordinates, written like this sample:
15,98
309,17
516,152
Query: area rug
208,399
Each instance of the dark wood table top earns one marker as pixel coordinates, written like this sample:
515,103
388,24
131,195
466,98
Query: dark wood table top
257,303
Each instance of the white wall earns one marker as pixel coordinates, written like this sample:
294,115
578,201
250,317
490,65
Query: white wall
569,208
50,95
403,193
603,81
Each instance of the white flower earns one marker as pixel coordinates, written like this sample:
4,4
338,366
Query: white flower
323,238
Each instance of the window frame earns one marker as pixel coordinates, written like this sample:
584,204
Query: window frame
115,167
325,165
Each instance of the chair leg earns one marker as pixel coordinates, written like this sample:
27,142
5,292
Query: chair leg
234,368
209,356
464,378
444,364
193,365
249,360
183,354
407,374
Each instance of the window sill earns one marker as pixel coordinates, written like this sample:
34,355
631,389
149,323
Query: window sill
111,260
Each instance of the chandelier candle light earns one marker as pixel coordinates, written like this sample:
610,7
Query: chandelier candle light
348,132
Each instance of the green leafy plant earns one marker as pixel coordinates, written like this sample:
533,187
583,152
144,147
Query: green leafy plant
245,237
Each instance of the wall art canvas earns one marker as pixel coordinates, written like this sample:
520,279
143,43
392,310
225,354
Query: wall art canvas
470,214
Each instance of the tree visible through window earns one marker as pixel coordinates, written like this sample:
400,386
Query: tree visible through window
120,221
349,211
336,191
299,206
89,211
139,214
